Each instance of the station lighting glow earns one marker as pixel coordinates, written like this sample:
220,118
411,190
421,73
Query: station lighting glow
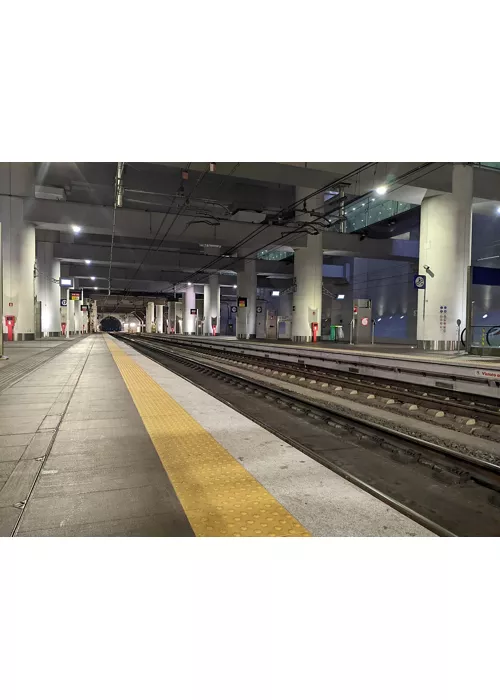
340,296
92,278
76,229
64,282
485,315
95,287
275,293
132,324
381,190
87,262
379,319
235,286
498,210
401,317
189,284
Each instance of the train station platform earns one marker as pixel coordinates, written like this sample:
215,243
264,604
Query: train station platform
102,441
455,371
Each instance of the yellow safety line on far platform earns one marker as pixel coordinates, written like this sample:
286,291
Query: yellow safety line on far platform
219,496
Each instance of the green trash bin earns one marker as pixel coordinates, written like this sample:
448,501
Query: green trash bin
336,333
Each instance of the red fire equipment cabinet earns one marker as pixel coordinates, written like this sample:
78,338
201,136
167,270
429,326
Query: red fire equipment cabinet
314,328
10,322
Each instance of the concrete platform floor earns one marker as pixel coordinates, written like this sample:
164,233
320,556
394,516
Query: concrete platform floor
20,350
378,350
72,442
101,441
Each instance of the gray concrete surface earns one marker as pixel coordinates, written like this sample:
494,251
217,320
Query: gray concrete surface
322,501
20,350
74,445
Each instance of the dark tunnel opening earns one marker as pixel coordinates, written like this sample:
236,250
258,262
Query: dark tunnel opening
110,324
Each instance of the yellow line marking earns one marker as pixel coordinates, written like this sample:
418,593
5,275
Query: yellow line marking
219,496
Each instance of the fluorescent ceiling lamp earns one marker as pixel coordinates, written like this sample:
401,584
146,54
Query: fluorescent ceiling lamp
381,190
76,229
92,278
340,296
485,315
87,262
95,287
64,282
275,293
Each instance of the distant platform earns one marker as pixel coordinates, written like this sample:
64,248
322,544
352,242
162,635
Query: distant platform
456,371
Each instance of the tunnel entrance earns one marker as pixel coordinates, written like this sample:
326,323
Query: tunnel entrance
110,325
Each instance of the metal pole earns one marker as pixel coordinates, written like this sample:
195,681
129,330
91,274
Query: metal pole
469,310
351,327
373,332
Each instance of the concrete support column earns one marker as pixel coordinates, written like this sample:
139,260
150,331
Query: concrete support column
171,317
64,311
94,324
247,287
71,317
444,255
78,316
150,315
159,318
308,274
211,305
18,248
48,292
189,319
214,302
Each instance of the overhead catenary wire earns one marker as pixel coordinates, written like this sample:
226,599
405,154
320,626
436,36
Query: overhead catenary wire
280,241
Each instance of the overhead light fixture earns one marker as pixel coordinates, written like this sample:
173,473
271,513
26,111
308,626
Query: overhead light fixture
76,229
64,282
379,319
498,210
235,286
95,287
401,317
340,296
87,262
485,315
189,284
92,278
381,190
275,293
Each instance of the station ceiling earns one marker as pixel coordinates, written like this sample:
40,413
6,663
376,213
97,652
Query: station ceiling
192,219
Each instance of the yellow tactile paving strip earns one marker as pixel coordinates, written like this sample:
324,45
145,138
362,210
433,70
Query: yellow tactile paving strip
220,498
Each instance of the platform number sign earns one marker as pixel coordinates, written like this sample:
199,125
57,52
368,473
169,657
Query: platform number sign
364,321
64,302
234,309
259,309
419,281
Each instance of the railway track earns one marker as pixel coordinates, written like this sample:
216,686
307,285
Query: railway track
450,493
480,416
